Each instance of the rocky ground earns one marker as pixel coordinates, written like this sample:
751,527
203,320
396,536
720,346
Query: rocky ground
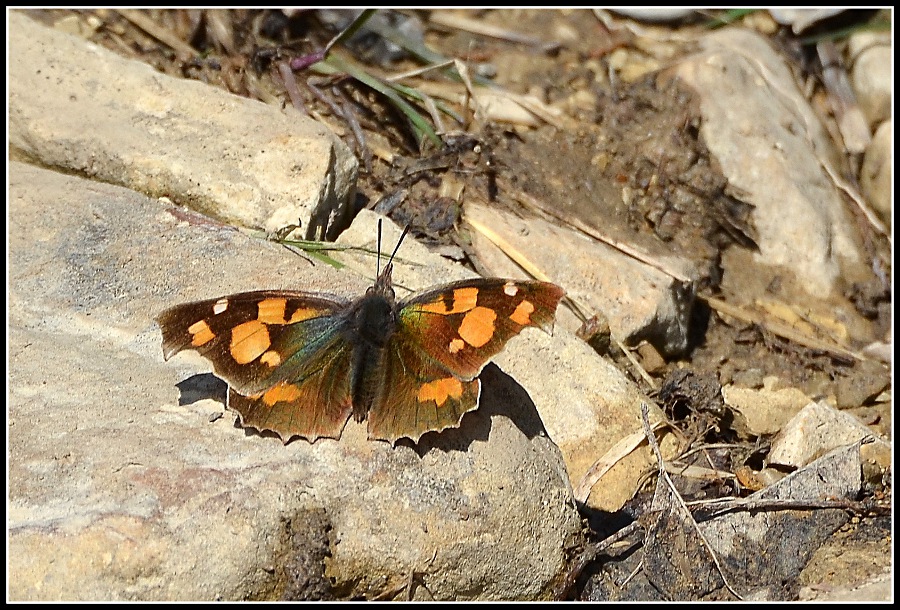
714,198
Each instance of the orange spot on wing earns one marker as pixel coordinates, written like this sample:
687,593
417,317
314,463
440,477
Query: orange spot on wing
200,333
303,313
434,307
249,341
456,345
272,358
522,314
283,392
464,299
271,311
477,327
440,390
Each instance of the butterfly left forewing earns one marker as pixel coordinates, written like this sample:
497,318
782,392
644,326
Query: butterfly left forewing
284,355
462,325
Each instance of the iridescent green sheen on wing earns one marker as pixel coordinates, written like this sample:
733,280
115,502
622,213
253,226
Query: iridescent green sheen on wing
314,404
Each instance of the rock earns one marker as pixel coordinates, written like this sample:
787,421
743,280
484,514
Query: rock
119,489
877,171
862,383
748,100
871,75
818,429
765,411
639,301
87,111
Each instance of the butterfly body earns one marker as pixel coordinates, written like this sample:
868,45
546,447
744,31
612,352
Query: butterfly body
301,363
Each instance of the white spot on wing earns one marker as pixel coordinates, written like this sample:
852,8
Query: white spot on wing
220,306
510,289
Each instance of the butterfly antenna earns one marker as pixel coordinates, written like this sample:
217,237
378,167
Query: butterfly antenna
378,257
399,241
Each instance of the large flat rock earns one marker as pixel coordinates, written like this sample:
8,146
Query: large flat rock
127,482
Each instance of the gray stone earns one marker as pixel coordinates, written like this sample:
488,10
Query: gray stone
771,147
85,110
119,488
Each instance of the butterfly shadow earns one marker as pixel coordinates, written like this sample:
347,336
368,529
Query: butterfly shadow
501,395
207,386
200,386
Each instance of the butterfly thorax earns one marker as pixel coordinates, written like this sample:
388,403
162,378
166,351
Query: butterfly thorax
375,315
373,321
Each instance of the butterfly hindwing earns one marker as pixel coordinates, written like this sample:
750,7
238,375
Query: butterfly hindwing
417,395
284,354
443,339
317,405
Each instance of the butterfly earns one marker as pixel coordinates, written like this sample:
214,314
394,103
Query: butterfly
301,363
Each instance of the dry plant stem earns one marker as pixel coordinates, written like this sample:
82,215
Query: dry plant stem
720,506
219,23
480,27
651,439
690,471
256,90
432,109
358,133
634,573
419,71
332,105
637,365
463,71
520,259
349,118
613,456
782,330
290,85
145,23
709,446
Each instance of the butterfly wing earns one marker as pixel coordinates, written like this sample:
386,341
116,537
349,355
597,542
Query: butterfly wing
444,338
417,395
285,356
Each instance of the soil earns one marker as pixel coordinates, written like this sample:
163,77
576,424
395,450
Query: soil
641,137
